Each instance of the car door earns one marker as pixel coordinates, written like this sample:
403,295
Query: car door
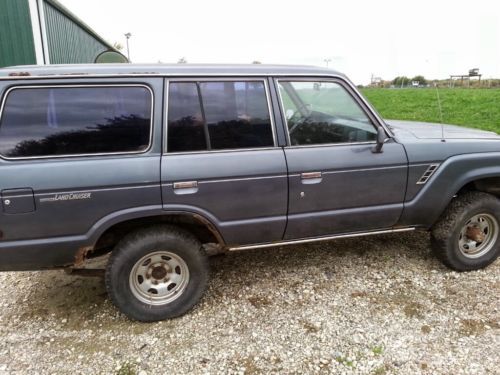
337,184
221,160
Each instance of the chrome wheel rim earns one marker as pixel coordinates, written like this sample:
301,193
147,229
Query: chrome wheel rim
478,236
159,278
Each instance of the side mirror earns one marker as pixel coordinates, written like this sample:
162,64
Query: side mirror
381,138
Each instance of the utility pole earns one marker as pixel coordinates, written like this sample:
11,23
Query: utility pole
327,61
128,35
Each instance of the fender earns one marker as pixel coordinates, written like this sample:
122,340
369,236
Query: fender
453,174
49,253
117,217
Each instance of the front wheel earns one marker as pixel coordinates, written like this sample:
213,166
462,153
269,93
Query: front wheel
157,273
467,236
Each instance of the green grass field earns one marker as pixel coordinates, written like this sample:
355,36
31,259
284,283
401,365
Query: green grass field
476,108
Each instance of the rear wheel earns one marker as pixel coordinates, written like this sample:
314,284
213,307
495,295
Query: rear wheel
467,235
157,273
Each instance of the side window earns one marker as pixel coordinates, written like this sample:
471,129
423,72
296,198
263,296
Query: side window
217,116
57,121
323,112
186,128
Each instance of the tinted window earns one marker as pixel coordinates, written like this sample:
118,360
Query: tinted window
186,128
217,116
77,120
323,112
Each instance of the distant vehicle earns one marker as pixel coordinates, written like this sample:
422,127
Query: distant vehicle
160,166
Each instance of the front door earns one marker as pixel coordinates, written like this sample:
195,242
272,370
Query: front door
336,183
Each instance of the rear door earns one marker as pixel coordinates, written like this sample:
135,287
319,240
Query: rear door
336,183
221,160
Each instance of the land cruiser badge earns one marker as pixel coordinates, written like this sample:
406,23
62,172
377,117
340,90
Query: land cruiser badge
67,197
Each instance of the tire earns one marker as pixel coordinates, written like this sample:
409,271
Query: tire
466,237
156,273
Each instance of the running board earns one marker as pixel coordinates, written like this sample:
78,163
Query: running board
318,239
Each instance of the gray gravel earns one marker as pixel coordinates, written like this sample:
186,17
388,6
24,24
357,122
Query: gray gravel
373,306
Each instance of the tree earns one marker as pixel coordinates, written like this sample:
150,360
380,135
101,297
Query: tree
117,46
182,60
256,62
401,81
420,79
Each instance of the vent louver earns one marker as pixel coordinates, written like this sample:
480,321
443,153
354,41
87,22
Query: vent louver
428,174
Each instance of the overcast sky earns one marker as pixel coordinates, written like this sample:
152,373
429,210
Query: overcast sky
386,38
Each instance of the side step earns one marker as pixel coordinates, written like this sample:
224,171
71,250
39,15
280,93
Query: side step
318,239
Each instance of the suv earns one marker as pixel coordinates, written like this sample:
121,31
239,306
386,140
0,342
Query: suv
159,166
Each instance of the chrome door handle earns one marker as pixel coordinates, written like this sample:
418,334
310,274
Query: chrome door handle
309,178
186,185
310,175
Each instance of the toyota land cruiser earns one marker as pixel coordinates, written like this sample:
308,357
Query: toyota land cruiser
161,165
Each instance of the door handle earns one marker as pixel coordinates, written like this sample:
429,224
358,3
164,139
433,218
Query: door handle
310,175
309,178
186,187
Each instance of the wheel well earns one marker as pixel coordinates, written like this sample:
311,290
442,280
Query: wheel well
489,185
204,230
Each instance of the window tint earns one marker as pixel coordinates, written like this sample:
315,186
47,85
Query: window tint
77,120
217,116
186,128
323,112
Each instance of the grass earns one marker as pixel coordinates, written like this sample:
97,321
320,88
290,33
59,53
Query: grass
475,108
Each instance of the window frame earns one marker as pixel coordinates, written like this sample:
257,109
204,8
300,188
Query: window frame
217,79
348,89
45,86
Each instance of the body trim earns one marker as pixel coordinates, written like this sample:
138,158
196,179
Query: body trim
319,239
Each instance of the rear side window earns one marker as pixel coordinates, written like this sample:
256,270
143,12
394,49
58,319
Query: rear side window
57,121
218,116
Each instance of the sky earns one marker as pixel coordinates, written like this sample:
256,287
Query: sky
384,38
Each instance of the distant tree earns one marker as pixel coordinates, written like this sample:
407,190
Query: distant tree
421,80
256,62
182,60
401,81
117,46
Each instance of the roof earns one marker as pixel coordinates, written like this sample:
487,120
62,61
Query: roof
42,71
61,8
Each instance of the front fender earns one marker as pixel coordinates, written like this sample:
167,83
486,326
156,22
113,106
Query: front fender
453,174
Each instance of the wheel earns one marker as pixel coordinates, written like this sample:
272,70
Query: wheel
467,237
156,273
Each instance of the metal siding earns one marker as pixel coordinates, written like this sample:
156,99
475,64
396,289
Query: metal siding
16,36
69,43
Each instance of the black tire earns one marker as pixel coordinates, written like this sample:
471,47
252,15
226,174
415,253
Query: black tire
446,233
153,241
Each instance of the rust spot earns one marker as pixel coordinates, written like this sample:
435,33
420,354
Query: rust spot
210,227
19,74
475,234
81,255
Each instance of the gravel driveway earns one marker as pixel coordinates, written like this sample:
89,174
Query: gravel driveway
374,305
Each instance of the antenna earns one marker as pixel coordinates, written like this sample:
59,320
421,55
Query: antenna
440,112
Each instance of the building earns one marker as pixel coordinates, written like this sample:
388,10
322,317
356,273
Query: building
45,32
